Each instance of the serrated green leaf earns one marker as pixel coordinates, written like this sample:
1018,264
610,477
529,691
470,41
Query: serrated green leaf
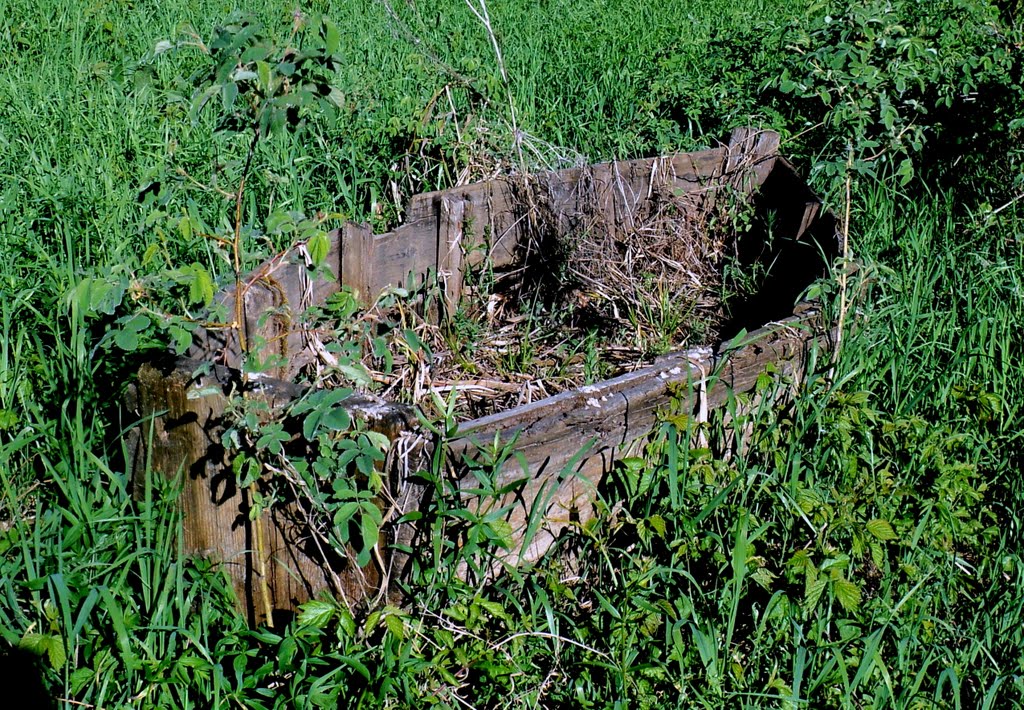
807,501
80,678
343,514
457,612
378,441
263,72
150,254
877,554
355,373
633,464
881,529
800,560
370,530
9,421
658,524
332,37
847,593
364,464
493,608
763,577
34,643
50,645
906,171
346,623
286,652
372,620
395,626
200,285
500,531
318,246
316,613
272,438
181,339
370,508
185,227
813,591
250,472
255,53
55,651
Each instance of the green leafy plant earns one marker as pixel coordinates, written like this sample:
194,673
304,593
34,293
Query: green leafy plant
879,74
679,591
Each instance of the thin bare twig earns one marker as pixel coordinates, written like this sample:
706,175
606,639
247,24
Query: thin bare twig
999,209
845,248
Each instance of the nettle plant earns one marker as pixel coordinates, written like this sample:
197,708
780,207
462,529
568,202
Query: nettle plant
257,89
263,89
880,72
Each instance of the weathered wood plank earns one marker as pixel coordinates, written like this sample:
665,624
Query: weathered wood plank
449,251
575,435
274,297
751,155
568,442
357,258
409,250
501,218
183,407
505,211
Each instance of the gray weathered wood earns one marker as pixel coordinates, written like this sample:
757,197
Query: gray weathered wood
500,220
450,236
183,409
568,442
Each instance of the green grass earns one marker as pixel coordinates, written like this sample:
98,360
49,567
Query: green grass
860,547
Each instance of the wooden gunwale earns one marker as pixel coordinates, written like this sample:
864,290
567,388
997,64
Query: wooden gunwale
569,441
566,442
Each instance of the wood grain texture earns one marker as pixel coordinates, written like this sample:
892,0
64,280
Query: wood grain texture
500,221
184,419
566,443
569,441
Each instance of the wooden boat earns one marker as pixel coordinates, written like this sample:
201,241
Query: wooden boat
565,443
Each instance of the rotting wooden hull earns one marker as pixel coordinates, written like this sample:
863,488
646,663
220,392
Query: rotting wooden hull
568,442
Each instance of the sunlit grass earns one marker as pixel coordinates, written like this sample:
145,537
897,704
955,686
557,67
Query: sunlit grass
691,589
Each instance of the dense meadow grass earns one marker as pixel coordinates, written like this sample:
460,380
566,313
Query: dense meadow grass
858,547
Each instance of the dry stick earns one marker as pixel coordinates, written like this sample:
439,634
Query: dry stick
846,258
997,210
237,248
243,346
484,18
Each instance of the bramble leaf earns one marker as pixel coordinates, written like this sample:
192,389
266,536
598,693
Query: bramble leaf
319,246
847,593
316,613
881,529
